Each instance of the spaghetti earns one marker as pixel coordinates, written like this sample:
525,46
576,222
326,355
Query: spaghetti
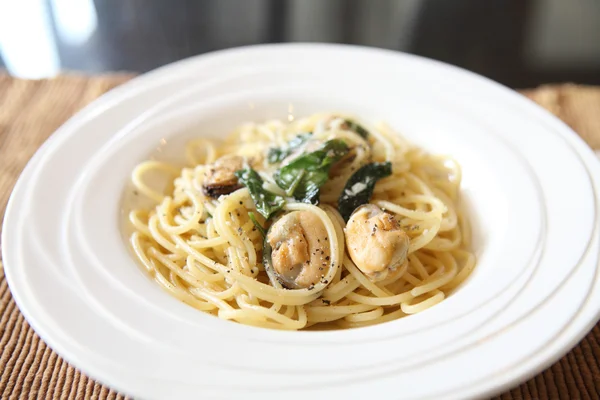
206,245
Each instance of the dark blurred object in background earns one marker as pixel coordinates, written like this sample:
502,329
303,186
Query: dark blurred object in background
520,43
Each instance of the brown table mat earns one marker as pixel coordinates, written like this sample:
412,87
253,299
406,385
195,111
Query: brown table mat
31,110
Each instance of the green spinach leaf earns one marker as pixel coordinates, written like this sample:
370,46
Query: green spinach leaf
359,188
276,155
353,126
303,177
257,224
267,203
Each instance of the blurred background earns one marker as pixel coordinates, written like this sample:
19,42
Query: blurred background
520,43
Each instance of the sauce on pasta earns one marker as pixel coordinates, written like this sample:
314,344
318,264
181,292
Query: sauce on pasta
322,222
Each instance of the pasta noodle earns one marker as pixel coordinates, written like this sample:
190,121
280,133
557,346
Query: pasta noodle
208,252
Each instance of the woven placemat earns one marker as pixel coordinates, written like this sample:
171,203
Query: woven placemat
31,110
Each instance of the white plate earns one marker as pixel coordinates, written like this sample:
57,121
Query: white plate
528,179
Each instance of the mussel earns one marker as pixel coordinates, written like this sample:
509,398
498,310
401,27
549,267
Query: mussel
375,241
220,176
297,252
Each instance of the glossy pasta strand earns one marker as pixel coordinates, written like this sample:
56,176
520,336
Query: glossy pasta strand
208,253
